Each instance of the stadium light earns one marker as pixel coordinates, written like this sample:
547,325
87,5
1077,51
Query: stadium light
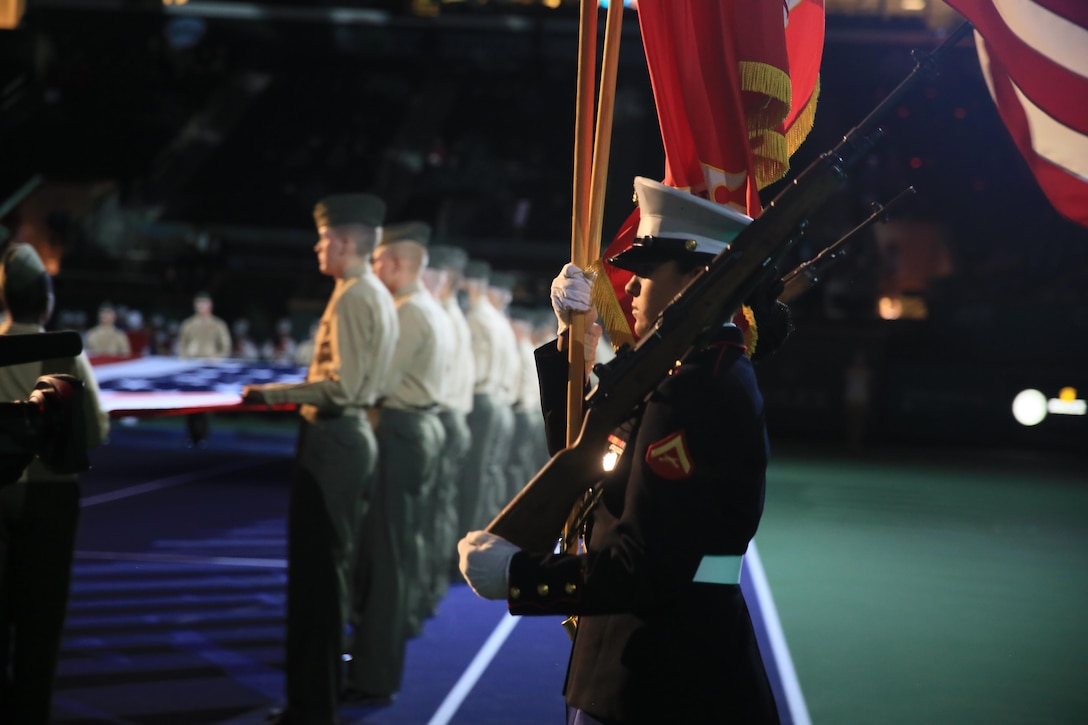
1030,407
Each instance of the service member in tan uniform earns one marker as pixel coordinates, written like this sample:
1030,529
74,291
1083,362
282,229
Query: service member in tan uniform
38,512
445,267
477,480
337,452
503,485
529,435
104,338
392,565
203,334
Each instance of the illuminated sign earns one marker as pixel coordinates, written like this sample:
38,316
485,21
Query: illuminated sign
1031,407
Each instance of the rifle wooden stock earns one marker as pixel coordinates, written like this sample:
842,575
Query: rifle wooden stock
534,518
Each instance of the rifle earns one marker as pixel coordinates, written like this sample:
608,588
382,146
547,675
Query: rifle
533,519
806,275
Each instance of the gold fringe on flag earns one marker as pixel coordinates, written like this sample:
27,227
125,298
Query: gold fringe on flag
802,125
608,307
772,149
771,82
751,334
770,157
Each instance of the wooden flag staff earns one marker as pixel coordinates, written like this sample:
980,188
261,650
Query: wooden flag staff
583,171
588,205
590,179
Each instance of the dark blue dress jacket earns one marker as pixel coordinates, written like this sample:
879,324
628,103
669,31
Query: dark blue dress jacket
651,645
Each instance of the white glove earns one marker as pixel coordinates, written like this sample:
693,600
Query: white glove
571,293
485,563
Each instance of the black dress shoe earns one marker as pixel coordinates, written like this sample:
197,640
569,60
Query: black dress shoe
358,698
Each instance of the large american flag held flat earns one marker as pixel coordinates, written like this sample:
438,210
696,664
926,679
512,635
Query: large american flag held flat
158,385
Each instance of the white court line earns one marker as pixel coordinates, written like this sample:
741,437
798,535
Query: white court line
798,710
183,559
472,674
162,483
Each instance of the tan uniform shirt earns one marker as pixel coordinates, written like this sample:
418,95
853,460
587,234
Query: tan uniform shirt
353,349
17,381
510,382
107,340
462,369
425,345
304,353
488,352
528,386
201,336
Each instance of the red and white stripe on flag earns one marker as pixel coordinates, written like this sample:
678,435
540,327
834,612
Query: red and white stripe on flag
1034,56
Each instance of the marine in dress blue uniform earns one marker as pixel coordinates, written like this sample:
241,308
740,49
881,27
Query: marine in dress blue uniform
664,634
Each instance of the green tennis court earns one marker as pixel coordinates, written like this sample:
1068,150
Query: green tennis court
931,586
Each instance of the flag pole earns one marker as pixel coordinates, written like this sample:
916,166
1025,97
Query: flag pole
583,150
589,181
593,208
602,146
589,203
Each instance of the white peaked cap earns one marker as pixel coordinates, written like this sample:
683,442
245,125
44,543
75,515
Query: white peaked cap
671,213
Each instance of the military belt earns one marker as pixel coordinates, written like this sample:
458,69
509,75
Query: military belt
405,408
719,570
313,414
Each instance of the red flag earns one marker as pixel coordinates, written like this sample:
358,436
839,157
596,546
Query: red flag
735,84
804,48
1034,58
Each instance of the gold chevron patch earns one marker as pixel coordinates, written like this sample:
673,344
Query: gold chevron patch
669,457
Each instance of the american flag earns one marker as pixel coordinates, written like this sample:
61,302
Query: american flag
158,385
1034,56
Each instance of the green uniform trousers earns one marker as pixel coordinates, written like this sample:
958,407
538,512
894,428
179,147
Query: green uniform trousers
333,479
471,504
446,533
392,567
496,478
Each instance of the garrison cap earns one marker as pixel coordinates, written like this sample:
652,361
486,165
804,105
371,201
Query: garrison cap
502,280
20,266
525,314
340,209
442,256
417,232
477,269
674,223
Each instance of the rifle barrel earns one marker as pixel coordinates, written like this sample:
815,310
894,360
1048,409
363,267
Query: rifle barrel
806,275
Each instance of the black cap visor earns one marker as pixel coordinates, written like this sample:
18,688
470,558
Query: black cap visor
646,253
